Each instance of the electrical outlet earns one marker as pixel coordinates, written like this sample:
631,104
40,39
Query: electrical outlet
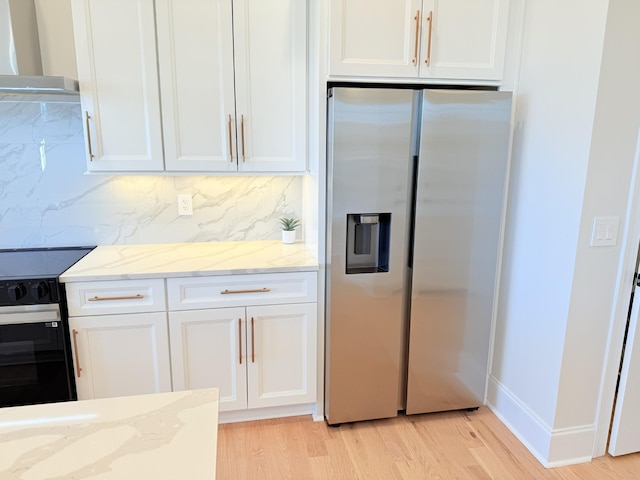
185,204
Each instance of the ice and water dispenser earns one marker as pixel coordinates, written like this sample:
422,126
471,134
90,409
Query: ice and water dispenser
368,237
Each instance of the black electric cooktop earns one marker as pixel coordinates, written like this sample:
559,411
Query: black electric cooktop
29,276
38,263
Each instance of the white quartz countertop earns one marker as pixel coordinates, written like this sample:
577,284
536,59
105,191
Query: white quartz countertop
165,436
121,262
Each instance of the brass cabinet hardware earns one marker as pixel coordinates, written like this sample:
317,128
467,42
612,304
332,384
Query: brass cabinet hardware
103,299
230,141
240,338
75,348
86,119
430,20
415,46
255,290
242,134
253,345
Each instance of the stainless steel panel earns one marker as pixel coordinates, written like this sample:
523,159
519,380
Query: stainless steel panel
461,181
369,168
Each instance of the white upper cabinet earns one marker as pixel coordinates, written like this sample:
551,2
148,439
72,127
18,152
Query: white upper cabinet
373,38
270,72
117,71
196,74
223,91
419,39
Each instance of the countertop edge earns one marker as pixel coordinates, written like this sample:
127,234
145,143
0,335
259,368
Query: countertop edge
178,274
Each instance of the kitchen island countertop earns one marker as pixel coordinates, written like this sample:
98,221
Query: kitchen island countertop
121,262
162,436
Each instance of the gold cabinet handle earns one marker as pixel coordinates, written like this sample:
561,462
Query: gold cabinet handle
415,46
430,20
256,290
75,348
105,299
253,345
240,338
230,141
86,119
242,134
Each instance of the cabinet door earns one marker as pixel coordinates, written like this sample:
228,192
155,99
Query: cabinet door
282,354
117,71
119,355
463,39
270,74
195,56
378,38
208,349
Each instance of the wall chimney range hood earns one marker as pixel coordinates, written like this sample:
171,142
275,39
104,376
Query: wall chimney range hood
37,54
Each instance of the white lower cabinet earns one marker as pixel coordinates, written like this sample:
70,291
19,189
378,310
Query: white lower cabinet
120,355
208,349
259,356
282,355
252,336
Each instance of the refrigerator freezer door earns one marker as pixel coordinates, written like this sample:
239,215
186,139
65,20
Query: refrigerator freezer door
461,182
369,167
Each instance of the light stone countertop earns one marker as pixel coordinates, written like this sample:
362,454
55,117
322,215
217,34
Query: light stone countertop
122,262
164,436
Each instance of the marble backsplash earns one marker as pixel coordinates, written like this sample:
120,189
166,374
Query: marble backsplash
47,199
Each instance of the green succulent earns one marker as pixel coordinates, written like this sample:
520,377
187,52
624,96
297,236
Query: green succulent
289,224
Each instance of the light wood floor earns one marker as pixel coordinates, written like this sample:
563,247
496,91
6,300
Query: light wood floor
443,446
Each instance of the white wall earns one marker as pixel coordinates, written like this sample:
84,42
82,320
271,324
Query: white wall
46,199
576,128
609,183
555,108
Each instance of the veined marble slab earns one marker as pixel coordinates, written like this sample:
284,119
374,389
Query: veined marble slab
121,262
165,436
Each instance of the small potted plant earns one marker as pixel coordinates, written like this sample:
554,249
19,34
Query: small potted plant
289,225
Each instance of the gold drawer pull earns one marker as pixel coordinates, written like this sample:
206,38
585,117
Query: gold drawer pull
230,141
240,338
75,349
102,299
415,46
253,344
242,134
256,290
86,119
430,20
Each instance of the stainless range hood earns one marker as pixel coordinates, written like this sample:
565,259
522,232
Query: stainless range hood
37,53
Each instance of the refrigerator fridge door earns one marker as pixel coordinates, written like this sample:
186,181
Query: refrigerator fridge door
461,182
369,155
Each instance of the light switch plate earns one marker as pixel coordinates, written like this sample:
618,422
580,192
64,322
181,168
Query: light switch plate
605,231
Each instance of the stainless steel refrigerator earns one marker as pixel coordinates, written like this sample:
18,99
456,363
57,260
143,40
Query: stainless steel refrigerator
416,182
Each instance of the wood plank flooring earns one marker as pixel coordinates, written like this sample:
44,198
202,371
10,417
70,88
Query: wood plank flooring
442,446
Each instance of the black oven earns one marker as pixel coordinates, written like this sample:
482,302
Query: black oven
35,350
34,356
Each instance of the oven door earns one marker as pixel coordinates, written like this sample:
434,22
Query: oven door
34,359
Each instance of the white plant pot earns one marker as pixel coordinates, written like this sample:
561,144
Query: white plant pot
288,236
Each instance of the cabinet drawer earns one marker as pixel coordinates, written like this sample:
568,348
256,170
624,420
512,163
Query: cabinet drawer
239,290
117,296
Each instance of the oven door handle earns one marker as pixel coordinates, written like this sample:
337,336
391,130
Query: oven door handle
29,314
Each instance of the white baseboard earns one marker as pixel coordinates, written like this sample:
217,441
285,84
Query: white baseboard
552,448
266,413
